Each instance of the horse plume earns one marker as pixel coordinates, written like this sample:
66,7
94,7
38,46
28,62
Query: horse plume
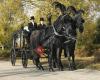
80,11
72,9
49,16
60,6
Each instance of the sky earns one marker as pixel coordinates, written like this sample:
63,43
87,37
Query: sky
30,10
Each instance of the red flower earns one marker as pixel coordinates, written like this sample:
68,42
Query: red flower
40,50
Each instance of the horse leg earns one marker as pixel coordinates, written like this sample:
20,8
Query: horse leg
54,57
40,65
37,62
54,61
68,55
73,62
50,61
69,61
73,56
59,52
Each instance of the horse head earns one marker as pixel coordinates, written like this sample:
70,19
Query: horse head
77,18
59,6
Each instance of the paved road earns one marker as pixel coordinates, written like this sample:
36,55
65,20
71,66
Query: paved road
8,72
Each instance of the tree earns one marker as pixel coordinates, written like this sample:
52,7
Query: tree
91,7
11,17
97,33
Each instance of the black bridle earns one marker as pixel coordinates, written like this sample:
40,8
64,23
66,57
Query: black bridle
68,36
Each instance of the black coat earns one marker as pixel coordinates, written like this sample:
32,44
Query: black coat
40,26
32,27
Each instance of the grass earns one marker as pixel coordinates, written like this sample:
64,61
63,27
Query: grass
94,66
81,62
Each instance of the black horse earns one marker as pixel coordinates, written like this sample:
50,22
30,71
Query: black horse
68,42
46,39
69,47
41,44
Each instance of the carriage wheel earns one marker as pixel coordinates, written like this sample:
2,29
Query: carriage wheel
24,59
13,57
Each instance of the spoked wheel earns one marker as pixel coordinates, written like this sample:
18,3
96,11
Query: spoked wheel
13,57
24,59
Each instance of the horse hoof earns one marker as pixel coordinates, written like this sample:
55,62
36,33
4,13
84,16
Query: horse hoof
51,69
38,68
54,66
62,69
70,69
74,68
42,69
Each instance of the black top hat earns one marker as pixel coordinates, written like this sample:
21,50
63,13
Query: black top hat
32,18
41,19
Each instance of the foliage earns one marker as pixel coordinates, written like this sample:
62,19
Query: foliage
85,40
88,6
97,33
11,17
97,56
5,53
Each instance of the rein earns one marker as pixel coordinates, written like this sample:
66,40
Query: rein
55,32
69,37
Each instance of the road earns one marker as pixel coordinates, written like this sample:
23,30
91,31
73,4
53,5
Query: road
9,72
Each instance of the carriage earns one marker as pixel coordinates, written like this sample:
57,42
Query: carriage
20,48
59,35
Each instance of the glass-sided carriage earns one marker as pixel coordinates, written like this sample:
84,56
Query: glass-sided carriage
20,48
